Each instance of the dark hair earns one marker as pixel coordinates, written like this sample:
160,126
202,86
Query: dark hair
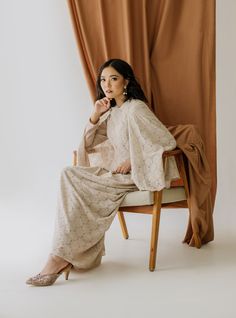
134,89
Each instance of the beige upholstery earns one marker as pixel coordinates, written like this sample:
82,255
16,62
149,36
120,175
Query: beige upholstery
138,198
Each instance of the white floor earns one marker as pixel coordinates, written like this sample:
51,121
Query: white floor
187,282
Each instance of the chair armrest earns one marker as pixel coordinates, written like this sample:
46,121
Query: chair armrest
177,153
174,152
75,158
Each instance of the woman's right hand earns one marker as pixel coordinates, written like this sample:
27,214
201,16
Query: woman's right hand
102,105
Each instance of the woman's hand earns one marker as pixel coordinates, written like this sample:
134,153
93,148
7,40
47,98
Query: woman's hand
124,167
100,107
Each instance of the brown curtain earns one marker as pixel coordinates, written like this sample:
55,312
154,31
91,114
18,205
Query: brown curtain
171,47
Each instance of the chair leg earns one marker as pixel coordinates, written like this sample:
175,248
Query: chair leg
156,213
123,224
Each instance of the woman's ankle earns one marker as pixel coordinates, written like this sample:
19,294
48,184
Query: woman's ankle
54,265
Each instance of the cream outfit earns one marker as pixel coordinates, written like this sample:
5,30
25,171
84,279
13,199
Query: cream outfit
90,193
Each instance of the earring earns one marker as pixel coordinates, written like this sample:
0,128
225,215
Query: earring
125,91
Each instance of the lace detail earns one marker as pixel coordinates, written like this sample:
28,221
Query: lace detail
117,133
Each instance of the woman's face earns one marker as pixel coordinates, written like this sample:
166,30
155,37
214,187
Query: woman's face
112,84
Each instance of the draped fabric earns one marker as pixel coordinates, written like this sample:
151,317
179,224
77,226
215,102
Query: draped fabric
171,47
200,228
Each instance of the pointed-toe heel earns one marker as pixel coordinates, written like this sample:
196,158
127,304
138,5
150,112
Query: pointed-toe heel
49,279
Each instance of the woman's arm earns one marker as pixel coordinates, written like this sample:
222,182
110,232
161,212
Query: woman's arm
148,139
96,132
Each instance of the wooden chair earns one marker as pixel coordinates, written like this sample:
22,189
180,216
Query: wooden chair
149,202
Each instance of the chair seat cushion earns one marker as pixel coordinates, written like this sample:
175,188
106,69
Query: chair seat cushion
137,198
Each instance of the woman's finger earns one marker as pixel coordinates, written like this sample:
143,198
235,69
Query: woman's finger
107,102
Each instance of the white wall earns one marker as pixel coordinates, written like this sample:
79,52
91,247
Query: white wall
226,111
45,103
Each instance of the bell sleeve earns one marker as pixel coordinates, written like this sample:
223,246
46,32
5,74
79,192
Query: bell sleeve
148,139
94,134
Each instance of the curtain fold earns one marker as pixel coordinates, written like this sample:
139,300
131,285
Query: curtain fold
171,47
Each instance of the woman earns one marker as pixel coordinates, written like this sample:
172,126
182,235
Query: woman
127,141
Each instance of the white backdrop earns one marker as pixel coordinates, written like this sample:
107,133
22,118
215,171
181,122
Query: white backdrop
45,103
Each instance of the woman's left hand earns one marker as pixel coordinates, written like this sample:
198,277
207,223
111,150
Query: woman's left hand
124,167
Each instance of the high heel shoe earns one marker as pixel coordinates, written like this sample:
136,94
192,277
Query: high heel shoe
49,279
